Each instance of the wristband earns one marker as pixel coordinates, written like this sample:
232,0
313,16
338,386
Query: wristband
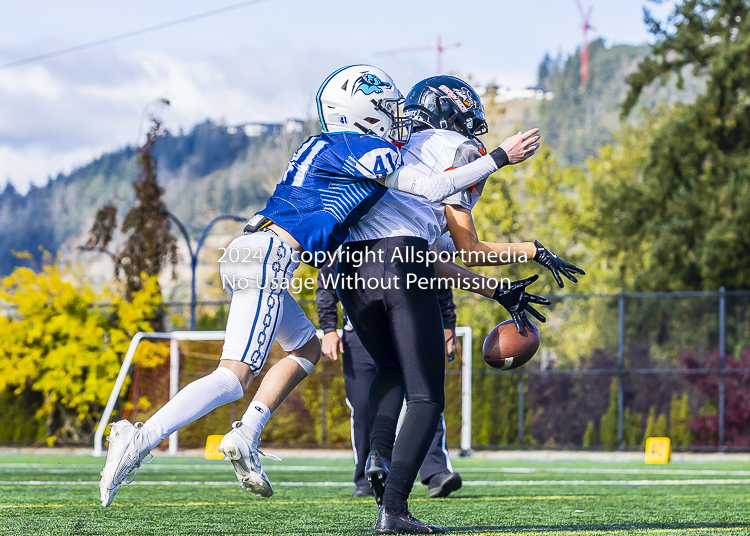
500,157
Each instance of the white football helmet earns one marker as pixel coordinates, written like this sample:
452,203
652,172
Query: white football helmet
363,99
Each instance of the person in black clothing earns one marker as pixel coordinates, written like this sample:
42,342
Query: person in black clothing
436,471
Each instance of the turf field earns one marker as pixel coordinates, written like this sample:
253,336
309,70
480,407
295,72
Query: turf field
58,495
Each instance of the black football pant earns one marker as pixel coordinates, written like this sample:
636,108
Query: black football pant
401,327
359,370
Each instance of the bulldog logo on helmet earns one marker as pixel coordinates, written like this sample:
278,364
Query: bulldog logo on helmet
368,84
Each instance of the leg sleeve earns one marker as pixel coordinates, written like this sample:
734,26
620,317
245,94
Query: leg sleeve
437,459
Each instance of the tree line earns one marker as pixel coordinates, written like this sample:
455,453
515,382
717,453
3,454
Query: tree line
663,205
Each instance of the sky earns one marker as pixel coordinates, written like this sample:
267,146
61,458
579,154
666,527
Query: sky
261,63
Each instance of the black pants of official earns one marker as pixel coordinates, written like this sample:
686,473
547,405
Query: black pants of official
359,370
400,326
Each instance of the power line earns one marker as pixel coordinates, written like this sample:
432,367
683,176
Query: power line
127,35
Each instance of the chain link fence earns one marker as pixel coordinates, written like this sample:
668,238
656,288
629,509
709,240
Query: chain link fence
613,369
673,364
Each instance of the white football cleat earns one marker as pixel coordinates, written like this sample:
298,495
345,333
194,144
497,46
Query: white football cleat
240,447
123,458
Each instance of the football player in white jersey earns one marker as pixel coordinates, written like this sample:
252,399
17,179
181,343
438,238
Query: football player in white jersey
448,116
402,330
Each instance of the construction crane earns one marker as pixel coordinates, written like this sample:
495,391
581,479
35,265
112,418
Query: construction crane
586,16
439,47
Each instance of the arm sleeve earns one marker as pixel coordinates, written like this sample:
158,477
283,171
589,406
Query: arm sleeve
326,298
447,308
437,187
466,153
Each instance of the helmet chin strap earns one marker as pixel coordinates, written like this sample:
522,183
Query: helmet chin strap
458,120
364,130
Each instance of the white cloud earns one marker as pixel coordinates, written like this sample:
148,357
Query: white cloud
35,163
57,115
36,81
60,114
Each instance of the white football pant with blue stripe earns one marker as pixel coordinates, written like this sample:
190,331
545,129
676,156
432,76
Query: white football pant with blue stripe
256,271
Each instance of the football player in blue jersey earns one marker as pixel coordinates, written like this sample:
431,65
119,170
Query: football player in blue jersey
332,180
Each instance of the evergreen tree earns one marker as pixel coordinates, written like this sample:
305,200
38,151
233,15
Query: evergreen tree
660,428
690,208
679,416
103,229
150,245
651,423
589,436
656,426
632,428
546,67
608,424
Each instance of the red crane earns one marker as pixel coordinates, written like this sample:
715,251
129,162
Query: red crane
586,16
439,47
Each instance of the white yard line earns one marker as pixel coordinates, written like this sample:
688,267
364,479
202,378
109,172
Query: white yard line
54,468
607,471
686,482
479,455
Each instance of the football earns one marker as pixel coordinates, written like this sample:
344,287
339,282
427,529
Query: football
506,349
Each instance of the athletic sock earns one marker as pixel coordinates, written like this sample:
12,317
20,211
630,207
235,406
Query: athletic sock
256,417
409,452
397,488
190,404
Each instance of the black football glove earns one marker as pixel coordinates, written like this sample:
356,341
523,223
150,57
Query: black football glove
517,302
554,264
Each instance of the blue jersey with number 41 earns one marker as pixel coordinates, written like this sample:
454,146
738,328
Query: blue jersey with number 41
329,185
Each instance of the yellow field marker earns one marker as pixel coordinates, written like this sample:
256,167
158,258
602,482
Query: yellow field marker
658,450
212,448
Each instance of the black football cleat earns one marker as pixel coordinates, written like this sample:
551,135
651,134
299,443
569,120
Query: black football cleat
443,484
403,523
363,491
376,471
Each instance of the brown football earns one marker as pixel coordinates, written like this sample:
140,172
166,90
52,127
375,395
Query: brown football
506,349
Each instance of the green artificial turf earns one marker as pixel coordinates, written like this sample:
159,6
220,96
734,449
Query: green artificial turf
188,496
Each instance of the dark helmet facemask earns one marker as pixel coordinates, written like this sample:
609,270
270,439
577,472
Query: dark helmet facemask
401,125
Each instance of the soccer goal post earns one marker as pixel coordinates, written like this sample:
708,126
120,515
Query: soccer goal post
175,337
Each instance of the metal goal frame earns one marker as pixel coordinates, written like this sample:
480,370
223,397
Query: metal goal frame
174,379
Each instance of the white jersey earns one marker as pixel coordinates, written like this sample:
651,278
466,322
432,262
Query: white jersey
402,214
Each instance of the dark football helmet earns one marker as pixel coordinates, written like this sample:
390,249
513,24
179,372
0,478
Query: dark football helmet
448,103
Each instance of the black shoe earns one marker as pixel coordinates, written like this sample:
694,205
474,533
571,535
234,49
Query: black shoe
363,491
376,471
443,484
403,523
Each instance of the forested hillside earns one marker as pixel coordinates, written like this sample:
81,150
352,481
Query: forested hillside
576,122
657,201
214,169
